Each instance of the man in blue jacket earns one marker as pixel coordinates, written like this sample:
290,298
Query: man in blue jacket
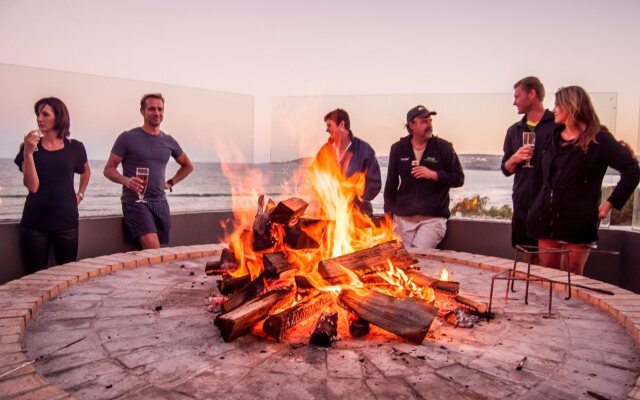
352,155
422,169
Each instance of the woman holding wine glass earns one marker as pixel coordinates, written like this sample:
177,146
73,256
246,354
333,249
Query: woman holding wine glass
568,177
48,160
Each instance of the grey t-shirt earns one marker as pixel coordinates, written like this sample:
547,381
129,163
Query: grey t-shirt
140,149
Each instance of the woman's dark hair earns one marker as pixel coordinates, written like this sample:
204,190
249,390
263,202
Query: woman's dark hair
63,122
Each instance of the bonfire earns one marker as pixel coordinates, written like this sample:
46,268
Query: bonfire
315,257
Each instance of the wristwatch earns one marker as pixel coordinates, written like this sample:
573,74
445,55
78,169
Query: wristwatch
170,183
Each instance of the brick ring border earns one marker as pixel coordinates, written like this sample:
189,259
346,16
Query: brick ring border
21,298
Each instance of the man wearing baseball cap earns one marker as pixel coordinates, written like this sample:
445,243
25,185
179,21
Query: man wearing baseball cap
422,168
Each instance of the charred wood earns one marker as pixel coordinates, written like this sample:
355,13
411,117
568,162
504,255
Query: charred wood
226,263
229,285
296,236
473,306
248,292
326,330
448,288
302,282
366,261
261,222
275,264
241,320
358,327
409,318
287,210
277,324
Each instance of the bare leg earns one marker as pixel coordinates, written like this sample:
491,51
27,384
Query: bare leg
149,241
577,257
551,260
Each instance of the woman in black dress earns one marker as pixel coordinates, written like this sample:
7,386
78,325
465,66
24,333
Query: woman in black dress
567,209
48,160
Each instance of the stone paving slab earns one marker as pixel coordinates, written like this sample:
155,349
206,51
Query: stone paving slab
386,367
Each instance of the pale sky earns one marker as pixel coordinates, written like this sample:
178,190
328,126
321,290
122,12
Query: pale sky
298,48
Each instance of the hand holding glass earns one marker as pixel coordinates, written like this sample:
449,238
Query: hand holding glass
38,133
142,173
529,140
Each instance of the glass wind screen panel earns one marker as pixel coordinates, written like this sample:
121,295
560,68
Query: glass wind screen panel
209,126
474,123
636,194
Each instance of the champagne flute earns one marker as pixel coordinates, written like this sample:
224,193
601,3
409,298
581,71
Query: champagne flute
142,173
529,140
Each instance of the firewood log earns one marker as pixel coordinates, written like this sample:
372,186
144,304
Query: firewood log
325,330
358,327
229,285
474,306
277,324
409,318
366,261
242,319
226,263
448,288
275,264
248,292
288,210
296,236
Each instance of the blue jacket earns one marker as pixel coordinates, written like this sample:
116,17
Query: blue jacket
362,158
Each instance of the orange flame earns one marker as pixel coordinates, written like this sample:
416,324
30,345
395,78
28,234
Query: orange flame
331,198
444,275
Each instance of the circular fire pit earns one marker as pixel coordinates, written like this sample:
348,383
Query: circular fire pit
145,333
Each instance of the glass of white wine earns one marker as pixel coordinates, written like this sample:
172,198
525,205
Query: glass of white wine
529,140
38,133
142,173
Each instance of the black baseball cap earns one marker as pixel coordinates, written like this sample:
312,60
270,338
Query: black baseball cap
419,111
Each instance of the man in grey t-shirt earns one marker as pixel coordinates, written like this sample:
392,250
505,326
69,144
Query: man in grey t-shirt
147,146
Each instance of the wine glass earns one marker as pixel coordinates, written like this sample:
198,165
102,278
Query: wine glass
37,132
142,173
529,140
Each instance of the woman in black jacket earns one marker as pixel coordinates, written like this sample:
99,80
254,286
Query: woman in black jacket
567,210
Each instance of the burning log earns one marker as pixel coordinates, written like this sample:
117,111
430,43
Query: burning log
229,285
297,238
408,318
261,222
473,306
366,261
288,210
358,327
302,282
277,324
326,330
226,263
240,321
448,288
275,264
248,292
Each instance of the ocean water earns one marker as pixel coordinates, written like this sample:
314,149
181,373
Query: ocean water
207,188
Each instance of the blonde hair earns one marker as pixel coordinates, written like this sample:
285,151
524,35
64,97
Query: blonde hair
577,103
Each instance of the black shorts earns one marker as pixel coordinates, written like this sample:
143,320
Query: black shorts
150,217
